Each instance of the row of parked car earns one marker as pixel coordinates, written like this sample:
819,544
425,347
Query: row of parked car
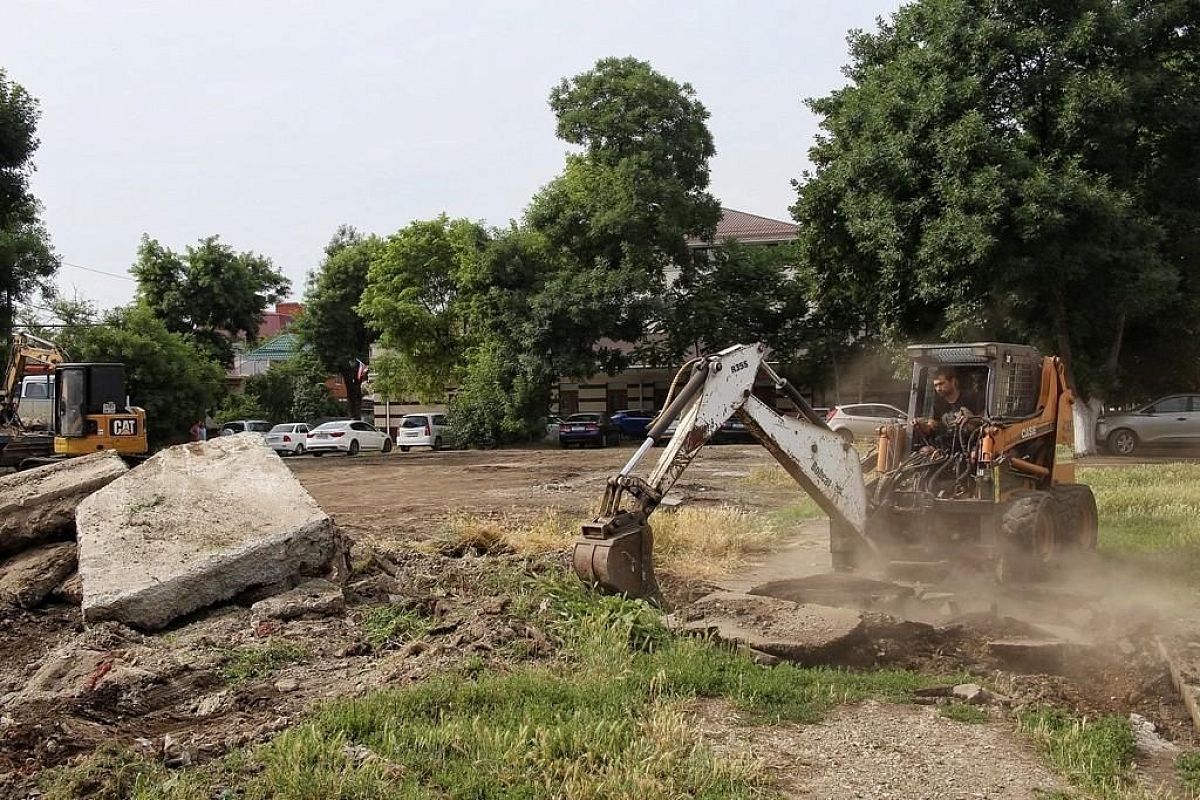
350,436
604,430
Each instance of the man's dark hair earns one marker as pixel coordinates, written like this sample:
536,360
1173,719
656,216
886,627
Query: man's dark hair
946,372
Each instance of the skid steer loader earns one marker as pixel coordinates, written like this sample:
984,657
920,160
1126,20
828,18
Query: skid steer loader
991,490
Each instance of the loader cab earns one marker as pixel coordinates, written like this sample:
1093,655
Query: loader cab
1006,377
92,413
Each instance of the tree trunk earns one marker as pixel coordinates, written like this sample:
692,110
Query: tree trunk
353,391
837,378
1083,413
1084,416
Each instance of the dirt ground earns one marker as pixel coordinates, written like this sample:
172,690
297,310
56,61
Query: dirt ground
64,690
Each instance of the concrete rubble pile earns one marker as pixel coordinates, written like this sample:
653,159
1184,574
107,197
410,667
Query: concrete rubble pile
195,525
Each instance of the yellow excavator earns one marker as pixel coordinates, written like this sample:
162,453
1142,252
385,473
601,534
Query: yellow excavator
990,488
90,410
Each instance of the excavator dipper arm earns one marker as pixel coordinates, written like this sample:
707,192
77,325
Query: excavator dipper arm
616,549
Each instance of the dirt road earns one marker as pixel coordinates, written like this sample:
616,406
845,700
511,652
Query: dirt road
408,495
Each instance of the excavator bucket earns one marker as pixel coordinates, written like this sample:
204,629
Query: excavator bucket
616,554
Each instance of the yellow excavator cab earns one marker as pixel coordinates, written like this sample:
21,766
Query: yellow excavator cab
92,412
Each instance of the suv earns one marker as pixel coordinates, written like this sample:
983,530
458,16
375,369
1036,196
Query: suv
421,430
860,420
245,426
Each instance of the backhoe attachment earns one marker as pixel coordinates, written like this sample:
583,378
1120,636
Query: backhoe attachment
616,549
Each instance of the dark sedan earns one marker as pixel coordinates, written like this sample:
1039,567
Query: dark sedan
597,430
633,422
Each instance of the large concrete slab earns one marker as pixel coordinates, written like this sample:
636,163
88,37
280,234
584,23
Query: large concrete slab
802,633
195,525
40,503
28,578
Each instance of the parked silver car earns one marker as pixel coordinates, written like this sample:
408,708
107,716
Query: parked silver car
859,420
1170,420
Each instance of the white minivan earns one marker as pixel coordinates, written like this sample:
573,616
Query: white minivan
421,430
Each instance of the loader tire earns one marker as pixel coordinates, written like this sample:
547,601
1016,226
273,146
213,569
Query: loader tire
1078,520
1029,540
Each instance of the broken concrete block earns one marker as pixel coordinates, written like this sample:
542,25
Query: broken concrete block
195,525
971,693
40,503
315,598
805,634
28,578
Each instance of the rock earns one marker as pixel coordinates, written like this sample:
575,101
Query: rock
28,578
805,634
315,598
40,503
194,525
1146,738
71,590
971,693
286,685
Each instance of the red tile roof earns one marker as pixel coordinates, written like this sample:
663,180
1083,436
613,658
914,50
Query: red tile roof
750,228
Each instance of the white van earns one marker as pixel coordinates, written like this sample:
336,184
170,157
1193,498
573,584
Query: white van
36,403
421,430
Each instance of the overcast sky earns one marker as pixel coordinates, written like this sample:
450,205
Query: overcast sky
270,124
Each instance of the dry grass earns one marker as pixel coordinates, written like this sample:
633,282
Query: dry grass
698,542
711,542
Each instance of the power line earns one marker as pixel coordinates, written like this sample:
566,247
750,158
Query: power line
98,271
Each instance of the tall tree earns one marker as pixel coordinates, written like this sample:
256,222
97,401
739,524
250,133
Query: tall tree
174,380
210,292
27,261
624,205
332,327
412,299
1012,170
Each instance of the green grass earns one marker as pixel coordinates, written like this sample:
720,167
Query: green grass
609,718
1150,514
1187,767
1095,755
247,664
393,624
961,712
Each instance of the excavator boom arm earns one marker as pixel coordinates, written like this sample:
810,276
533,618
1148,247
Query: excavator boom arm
23,348
615,550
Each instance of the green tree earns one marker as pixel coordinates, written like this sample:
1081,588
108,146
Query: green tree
27,261
175,381
623,207
210,292
740,294
1012,170
292,391
412,299
331,326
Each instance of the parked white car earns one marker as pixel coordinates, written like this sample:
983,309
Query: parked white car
288,438
421,430
348,436
245,426
859,420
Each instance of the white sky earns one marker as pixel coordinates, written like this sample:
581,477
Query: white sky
270,124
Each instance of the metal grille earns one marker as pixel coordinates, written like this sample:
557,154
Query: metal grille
1018,388
952,355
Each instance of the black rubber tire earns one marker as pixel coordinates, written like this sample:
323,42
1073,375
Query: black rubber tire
437,444
387,445
847,435
1122,442
404,448
1078,519
299,450
1029,541
317,455
353,451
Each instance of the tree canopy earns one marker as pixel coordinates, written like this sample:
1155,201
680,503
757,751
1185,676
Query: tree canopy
331,326
413,300
27,261
209,292
1011,170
